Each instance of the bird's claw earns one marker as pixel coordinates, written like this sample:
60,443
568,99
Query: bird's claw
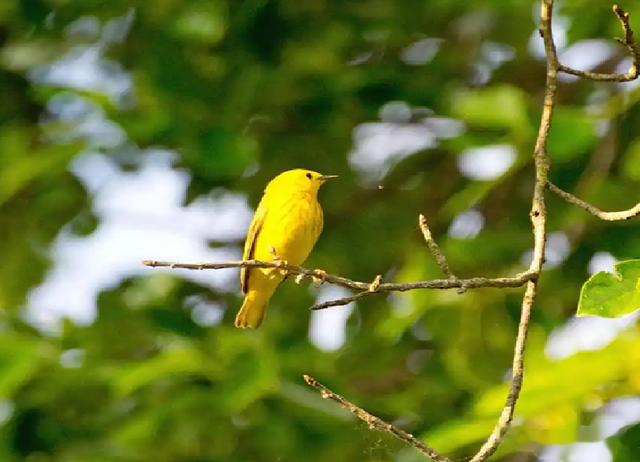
280,263
282,267
274,253
373,287
318,277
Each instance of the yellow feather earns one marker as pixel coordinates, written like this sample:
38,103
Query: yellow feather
288,220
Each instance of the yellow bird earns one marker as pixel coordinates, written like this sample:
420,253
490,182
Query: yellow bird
286,226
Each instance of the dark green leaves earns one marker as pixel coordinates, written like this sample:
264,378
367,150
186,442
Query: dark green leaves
625,445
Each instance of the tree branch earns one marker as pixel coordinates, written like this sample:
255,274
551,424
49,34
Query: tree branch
370,287
434,248
606,216
628,41
375,423
342,301
538,216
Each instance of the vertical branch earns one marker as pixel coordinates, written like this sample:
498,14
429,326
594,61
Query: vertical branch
538,216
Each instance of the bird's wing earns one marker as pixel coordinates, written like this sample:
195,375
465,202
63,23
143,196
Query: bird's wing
249,244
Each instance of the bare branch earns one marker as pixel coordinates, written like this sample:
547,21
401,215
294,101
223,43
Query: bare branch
342,301
538,216
628,41
434,247
606,216
517,376
373,288
471,283
376,423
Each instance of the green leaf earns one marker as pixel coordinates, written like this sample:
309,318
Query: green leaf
631,163
179,361
18,362
612,295
551,386
572,134
455,433
501,106
223,153
201,23
23,164
625,445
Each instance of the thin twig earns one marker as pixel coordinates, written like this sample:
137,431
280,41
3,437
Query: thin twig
471,283
595,211
628,41
441,260
342,301
374,287
376,423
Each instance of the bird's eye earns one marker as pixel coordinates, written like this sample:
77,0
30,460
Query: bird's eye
309,176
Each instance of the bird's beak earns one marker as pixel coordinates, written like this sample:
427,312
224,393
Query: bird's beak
327,177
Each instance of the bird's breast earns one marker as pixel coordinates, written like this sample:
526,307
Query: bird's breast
292,229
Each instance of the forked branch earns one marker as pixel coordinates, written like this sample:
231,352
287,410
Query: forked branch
628,41
593,210
364,288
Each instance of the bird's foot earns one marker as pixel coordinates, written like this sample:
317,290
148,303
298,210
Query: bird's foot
281,264
373,287
274,253
318,277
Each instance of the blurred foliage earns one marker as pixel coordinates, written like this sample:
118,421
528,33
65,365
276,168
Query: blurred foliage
242,91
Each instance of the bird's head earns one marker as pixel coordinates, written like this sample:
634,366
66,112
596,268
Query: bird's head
298,180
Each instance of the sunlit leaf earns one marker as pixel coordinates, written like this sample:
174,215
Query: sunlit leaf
18,360
497,106
631,163
572,134
22,165
612,295
177,361
550,385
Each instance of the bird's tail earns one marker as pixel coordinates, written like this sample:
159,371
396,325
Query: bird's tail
252,311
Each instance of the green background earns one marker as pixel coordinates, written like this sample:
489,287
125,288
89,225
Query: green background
134,129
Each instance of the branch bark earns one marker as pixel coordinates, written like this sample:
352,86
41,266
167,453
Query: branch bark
370,287
376,423
628,41
441,260
538,216
593,210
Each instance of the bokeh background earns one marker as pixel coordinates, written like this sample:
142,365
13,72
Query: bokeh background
137,129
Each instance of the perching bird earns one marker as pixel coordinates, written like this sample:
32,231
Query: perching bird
286,226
